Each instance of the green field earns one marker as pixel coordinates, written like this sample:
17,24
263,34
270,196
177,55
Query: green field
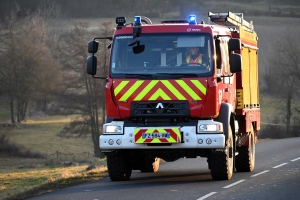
65,164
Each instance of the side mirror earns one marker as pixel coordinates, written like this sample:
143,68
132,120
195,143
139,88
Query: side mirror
91,67
93,46
235,61
138,49
234,44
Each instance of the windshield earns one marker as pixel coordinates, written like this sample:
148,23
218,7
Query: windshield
184,55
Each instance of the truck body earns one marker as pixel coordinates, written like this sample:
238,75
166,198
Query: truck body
160,107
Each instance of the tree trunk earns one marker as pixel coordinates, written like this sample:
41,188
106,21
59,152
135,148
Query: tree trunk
12,117
288,115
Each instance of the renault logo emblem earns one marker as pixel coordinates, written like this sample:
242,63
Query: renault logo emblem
159,108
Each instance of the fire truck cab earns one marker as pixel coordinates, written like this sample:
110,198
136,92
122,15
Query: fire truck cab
159,105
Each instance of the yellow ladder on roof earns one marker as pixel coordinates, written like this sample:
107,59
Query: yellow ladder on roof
230,19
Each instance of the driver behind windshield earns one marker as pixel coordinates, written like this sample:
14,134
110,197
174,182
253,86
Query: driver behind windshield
194,56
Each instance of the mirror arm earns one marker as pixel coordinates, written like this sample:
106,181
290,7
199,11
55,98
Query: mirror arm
227,75
101,38
99,77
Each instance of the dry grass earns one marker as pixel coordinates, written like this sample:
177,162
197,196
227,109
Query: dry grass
25,177
24,183
41,136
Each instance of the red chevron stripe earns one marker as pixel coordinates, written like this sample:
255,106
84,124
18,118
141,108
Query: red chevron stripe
164,140
138,135
173,134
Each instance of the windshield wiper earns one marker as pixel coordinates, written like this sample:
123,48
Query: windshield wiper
181,74
140,76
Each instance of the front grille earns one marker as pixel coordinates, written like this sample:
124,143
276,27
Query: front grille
159,109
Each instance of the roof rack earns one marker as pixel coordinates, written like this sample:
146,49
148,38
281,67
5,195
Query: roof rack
230,19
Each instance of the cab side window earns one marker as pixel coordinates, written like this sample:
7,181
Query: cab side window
225,56
218,54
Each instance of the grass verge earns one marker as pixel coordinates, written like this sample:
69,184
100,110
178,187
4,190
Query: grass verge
27,182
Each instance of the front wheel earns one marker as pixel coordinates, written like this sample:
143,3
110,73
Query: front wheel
118,167
221,163
245,160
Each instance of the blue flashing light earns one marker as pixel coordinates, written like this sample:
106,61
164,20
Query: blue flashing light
192,19
137,20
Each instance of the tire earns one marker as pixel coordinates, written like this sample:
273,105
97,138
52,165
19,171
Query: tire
151,165
221,163
118,167
245,160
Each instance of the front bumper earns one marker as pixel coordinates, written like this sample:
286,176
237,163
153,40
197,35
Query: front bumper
190,140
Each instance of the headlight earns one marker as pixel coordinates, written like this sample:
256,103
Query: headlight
215,127
112,129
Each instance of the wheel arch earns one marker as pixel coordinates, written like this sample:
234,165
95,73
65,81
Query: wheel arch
226,117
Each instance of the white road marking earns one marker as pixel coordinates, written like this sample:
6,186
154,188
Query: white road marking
206,196
228,186
279,165
260,173
295,159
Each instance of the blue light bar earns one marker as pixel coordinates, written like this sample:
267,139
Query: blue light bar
137,20
192,19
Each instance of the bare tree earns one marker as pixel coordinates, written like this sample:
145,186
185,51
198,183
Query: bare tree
27,66
83,94
286,76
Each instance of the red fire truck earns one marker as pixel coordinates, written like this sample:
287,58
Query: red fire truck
159,105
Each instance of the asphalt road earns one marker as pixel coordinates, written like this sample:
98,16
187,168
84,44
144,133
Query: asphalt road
276,176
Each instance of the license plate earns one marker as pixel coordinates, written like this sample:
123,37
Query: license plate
155,135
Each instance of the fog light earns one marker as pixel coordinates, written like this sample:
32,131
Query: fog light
118,141
208,141
111,142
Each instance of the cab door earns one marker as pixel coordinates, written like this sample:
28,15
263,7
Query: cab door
226,87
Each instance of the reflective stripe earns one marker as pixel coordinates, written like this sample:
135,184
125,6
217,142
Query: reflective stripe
143,90
146,90
120,87
188,90
159,93
173,90
199,86
131,90
197,60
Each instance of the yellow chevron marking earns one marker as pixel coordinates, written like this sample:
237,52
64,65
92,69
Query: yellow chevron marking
131,90
173,90
199,85
188,90
171,140
141,140
155,140
159,93
146,90
120,87
177,131
150,130
239,94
